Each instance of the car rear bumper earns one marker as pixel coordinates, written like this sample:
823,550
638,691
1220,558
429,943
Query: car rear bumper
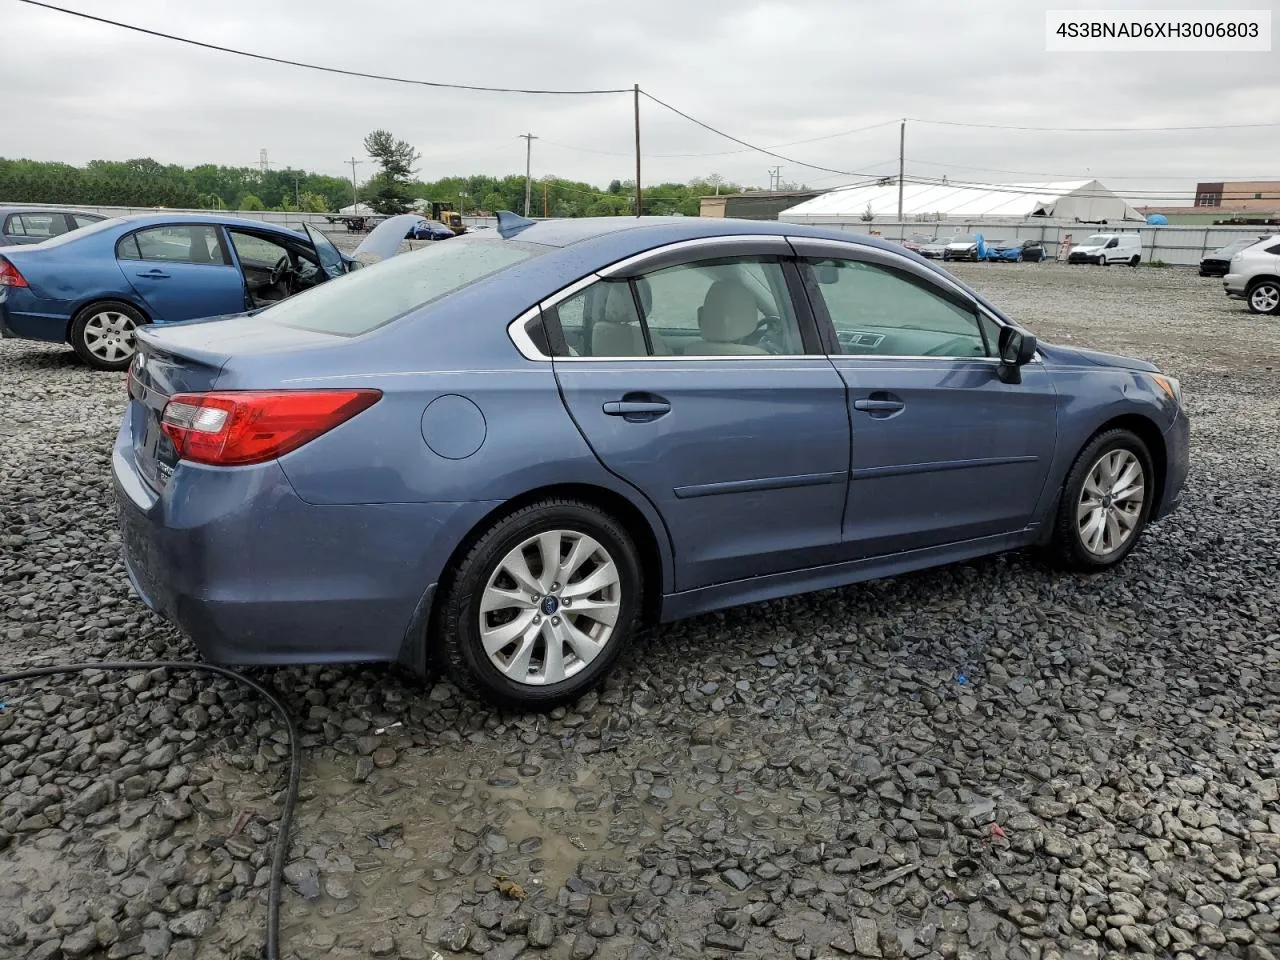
1233,284
26,317
1177,447
255,575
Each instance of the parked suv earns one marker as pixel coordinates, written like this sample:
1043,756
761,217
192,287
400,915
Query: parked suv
1254,276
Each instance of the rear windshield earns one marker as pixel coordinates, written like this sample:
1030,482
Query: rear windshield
71,236
376,295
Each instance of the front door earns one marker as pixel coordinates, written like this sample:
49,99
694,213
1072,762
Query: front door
182,271
699,385
943,451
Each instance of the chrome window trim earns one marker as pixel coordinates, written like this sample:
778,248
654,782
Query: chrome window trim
525,345
730,240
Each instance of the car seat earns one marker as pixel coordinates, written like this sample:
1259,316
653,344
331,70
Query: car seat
728,314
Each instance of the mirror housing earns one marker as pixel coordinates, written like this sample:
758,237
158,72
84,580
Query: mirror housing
1016,349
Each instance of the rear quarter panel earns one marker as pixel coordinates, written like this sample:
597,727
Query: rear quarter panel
64,279
394,452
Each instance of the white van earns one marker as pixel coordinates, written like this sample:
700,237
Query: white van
1108,248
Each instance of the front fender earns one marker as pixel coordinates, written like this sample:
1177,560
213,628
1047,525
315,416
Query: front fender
1089,398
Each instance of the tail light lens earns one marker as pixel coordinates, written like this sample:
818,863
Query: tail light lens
10,275
235,428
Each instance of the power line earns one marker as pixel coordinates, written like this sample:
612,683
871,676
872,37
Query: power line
1126,129
1034,190
308,66
723,153
1077,175
750,146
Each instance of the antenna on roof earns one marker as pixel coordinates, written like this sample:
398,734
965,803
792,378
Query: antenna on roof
509,224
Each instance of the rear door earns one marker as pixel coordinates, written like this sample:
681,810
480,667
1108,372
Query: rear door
696,376
182,271
942,450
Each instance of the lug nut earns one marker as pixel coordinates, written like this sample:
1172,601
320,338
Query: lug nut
555,621
537,619
555,587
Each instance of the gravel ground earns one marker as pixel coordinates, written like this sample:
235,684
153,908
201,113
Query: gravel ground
989,760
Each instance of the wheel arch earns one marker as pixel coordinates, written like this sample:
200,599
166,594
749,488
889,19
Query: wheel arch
652,545
104,298
1146,430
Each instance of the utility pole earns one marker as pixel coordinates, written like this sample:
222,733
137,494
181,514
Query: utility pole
639,195
297,192
902,153
528,166
355,191
263,163
775,178
544,197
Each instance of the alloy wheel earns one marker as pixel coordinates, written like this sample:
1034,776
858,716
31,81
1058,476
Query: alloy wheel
1111,502
109,336
550,607
1265,298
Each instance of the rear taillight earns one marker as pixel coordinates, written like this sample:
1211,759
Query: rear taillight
235,428
10,276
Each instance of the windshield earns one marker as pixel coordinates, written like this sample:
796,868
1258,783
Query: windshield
83,232
369,298
1097,240
965,238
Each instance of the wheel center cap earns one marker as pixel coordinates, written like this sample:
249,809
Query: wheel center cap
1107,500
550,605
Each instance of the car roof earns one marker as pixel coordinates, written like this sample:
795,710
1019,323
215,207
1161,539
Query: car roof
656,231
159,217
5,211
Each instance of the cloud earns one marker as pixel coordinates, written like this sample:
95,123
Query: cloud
768,72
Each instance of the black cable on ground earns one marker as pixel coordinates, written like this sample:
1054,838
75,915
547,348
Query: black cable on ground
295,759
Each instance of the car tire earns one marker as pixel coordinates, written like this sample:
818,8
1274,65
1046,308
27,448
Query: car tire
101,334
1102,260
1078,543
1135,260
483,595
1263,296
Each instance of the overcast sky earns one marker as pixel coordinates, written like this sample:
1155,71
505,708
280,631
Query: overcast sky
768,72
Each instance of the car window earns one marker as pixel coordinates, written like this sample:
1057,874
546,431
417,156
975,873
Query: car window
727,307
602,321
43,224
1275,248
881,312
85,219
174,243
389,289
256,250
724,307
13,226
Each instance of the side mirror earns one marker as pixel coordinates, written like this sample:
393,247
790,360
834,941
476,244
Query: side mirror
1016,349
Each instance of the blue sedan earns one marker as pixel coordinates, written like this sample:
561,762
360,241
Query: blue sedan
505,453
95,286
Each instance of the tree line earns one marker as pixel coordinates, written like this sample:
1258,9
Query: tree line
144,182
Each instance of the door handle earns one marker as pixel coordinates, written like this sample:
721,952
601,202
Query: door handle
154,275
879,406
632,408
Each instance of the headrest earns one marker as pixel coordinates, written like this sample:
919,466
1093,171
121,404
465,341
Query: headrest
618,305
729,313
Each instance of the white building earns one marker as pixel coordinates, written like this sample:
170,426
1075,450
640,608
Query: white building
1070,200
